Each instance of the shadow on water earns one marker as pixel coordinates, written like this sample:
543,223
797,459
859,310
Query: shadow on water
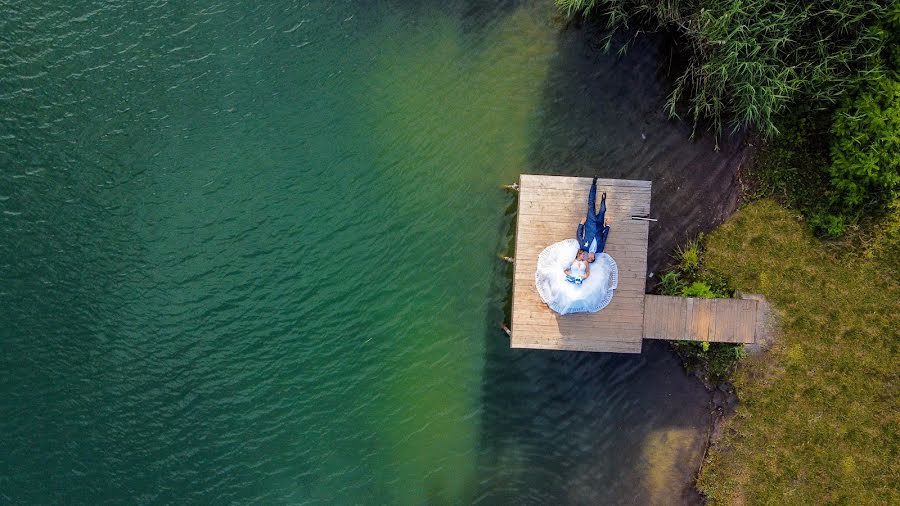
585,428
591,427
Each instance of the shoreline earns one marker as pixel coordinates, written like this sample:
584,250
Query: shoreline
696,187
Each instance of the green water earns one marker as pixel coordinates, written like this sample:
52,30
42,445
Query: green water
249,255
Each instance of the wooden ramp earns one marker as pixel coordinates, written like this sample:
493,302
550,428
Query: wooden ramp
550,208
685,318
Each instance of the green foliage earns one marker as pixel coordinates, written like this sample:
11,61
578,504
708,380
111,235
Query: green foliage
717,361
786,67
670,283
698,289
865,154
687,278
689,256
749,60
794,168
827,224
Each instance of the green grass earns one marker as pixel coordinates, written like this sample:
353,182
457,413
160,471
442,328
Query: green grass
819,416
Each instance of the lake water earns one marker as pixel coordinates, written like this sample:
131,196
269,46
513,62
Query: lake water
249,252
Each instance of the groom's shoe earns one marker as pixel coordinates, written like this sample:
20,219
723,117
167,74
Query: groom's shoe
594,181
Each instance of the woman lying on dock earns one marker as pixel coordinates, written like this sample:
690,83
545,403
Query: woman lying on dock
575,286
578,270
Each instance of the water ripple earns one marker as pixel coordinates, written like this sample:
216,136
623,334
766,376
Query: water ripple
250,254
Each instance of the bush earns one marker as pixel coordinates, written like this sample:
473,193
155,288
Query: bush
750,59
865,153
797,169
717,361
698,289
825,224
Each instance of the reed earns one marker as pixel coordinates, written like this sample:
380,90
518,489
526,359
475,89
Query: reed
749,60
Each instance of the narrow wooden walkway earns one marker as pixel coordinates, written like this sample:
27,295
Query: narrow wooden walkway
690,319
550,208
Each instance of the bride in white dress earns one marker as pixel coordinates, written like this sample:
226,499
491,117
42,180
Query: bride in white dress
568,284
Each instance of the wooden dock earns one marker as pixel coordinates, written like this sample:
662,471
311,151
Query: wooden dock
550,208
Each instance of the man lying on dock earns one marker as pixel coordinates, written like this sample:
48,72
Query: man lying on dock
590,236
577,286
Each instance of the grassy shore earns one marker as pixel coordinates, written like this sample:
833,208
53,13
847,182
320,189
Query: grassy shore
820,412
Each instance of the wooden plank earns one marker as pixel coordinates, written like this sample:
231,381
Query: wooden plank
621,212
512,316
575,201
621,239
573,198
585,346
721,329
540,182
616,336
615,205
628,327
617,235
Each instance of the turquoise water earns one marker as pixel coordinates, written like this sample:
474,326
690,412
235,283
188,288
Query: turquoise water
249,255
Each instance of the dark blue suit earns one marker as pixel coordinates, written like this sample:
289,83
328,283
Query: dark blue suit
593,227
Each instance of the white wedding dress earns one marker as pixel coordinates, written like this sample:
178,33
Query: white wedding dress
564,297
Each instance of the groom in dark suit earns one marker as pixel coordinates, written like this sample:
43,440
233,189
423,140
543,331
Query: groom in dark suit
593,229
